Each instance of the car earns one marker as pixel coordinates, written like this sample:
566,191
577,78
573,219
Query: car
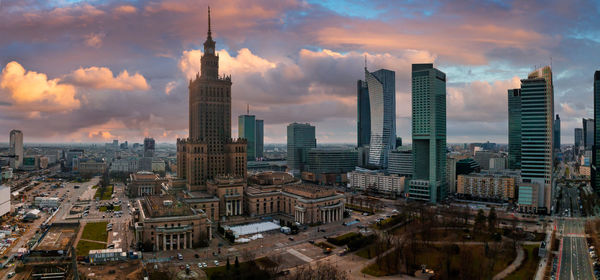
11,274
216,263
196,256
204,264
291,238
200,265
311,241
179,256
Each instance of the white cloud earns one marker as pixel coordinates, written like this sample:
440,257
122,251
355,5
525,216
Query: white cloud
102,78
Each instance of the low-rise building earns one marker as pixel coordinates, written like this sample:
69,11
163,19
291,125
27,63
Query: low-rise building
91,167
392,185
305,204
528,198
145,183
230,192
165,223
126,165
487,186
43,202
4,200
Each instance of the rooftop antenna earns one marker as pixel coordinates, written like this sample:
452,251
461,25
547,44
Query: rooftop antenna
247,109
365,61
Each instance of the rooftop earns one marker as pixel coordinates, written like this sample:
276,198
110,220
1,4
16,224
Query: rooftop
309,191
156,206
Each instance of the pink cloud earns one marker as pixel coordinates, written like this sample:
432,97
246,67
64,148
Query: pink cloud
102,78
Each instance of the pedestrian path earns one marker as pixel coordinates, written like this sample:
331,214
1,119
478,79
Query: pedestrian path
513,266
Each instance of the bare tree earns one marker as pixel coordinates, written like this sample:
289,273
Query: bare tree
320,271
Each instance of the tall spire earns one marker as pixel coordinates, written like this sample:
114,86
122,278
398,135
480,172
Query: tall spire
209,32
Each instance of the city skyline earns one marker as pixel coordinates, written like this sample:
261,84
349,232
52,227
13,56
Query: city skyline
103,82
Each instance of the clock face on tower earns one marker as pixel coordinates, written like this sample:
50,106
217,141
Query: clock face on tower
210,51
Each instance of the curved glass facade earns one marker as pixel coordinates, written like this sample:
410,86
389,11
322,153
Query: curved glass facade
382,100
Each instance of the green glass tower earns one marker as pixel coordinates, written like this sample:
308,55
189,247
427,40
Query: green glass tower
247,130
428,133
514,128
595,178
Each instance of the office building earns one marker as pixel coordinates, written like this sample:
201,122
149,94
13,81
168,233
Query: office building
149,147
381,85
16,149
247,130
588,133
428,133
595,173
451,173
467,166
578,137
487,186
363,120
537,103
209,151
514,128
483,158
498,164
260,138
557,134
400,162
336,161
72,157
4,199
300,139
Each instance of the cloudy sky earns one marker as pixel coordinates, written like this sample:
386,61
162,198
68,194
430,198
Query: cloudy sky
93,71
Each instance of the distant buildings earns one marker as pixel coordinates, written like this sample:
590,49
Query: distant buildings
514,128
363,124
595,173
300,139
72,157
451,173
149,147
588,133
16,149
429,133
381,85
483,158
578,137
536,151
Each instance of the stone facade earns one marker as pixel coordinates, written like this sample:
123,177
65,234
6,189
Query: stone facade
145,183
169,224
305,204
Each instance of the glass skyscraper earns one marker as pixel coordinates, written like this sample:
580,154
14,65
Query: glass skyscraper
428,133
260,138
300,139
595,176
578,137
537,116
363,119
588,133
557,133
247,130
381,85
514,128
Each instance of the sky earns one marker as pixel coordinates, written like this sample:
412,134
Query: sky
93,71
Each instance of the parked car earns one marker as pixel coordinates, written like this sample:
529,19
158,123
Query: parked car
179,256
216,263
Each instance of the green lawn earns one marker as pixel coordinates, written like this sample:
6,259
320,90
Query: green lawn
95,231
84,247
106,195
529,266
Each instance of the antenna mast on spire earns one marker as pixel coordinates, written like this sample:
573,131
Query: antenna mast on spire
365,61
247,109
209,32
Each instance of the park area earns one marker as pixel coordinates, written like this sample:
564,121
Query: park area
104,193
94,237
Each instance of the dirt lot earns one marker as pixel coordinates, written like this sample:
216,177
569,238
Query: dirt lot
114,271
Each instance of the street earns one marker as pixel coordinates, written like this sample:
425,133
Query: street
574,260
